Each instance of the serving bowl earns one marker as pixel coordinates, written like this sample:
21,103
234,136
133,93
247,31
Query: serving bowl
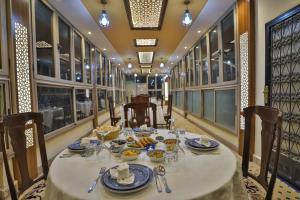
156,155
130,154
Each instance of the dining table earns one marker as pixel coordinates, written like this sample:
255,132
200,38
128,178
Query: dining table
201,175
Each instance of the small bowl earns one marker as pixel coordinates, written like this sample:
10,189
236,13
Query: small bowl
118,142
153,158
129,157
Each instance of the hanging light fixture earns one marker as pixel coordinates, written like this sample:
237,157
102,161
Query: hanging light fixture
162,63
129,64
187,18
103,17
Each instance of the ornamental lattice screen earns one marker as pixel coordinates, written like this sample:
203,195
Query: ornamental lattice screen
283,80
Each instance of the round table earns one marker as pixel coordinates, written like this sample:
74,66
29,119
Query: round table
208,175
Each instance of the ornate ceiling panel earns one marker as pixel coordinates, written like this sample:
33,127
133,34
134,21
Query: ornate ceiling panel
145,57
145,14
145,42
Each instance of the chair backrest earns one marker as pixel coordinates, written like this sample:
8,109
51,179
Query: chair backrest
111,108
271,125
170,104
142,98
16,126
140,114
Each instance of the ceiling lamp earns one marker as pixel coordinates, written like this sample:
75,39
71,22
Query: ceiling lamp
104,18
129,64
145,57
187,18
162,64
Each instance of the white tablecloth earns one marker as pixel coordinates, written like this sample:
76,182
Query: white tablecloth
84,107
159,115
206,176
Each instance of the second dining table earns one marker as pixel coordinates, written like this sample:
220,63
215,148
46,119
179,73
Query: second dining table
207,175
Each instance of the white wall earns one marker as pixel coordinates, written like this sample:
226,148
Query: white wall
266,10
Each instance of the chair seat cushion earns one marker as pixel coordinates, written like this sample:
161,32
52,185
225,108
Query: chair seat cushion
254,190
35,192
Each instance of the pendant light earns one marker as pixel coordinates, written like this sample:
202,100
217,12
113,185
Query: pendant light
103,17
129,64
161,64
187,18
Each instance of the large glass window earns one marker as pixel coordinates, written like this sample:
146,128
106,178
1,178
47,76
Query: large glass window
103,69
2,100
44,42
225,108
101,99
159,82
214,56
204,61
197,64
56,105
107,71
208,105
98,67
78,58
151,82
228,43
186,70
191,67
84,105
88,68
64,50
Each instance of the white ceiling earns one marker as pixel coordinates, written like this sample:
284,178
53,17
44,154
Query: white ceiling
77,14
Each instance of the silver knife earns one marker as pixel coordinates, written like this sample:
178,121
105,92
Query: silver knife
158,184
92,187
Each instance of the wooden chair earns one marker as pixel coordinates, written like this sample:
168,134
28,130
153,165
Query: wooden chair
271,125
15,126
113,119
168,116
142,98
140,114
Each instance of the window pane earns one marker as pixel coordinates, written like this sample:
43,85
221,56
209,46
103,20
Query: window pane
84,106
191,58
225,108
204,61
208,105
103,69
214,56
44,44
196,103
197,64
101,99
97,61
190,101
64,50
88,62
229,68
2,101
187,70
151,82
56,105
78,58
107,71
159,81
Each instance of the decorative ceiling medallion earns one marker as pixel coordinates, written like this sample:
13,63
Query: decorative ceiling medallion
145,57
145,14
145,42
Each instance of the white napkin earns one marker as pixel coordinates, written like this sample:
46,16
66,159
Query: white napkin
86,140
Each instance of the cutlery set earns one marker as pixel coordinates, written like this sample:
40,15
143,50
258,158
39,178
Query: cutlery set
93,185
161,171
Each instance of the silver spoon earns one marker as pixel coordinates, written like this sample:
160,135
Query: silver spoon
161,171
93,185
158,184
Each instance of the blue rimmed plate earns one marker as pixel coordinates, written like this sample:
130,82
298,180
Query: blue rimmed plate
149,129
195,144
76,147
143,177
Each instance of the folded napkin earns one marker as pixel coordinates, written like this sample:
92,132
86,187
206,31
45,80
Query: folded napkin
87,140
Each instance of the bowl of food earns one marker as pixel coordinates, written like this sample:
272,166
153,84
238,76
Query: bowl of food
130,154
118,142
111,132
156,155
170,144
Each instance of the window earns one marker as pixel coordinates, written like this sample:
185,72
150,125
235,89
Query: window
204,61
208,105
228,45
98,67
101,100
64,50
56,105
191,68
87,62
159,82
44,42
107,71
103,68
2,100
78,58
84,105
197,64
151,82
186,70
214,56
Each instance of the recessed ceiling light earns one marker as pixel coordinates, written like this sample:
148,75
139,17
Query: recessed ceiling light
185,47
129,65
93,49
162,65
119,64
199,31
135,75
89,32
172,63
177,56
156,74
104,49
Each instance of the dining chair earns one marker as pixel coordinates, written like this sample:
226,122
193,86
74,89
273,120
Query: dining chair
142,98
15,126
168,116
140,114
113,119
271,121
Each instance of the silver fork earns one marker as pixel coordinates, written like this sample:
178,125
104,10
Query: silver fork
158,185
93,185
161,171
